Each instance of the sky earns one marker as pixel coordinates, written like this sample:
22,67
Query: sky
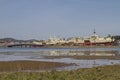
40,19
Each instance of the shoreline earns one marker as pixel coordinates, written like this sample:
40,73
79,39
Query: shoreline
81,47
69,47
84,57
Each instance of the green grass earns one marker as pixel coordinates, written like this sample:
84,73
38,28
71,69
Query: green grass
96,73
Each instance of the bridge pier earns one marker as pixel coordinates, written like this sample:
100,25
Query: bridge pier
24,46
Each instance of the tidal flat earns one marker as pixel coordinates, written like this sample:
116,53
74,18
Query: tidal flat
79,57
60,64
31,66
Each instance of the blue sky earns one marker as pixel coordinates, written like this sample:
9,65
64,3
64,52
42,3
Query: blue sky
39,19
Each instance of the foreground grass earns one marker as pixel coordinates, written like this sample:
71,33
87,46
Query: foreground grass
96,73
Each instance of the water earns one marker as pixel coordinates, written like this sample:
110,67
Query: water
63,56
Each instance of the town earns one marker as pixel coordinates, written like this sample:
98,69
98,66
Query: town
93,40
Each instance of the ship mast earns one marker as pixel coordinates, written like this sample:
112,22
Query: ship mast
94,35
94,32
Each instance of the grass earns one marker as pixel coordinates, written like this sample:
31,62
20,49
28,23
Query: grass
97,73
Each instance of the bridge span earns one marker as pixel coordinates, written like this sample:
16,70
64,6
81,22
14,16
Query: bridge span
25,45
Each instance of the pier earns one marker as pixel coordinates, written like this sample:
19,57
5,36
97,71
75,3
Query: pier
25,45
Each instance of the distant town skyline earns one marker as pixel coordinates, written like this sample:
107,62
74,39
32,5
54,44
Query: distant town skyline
40,19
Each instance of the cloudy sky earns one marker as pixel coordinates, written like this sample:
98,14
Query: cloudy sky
39,19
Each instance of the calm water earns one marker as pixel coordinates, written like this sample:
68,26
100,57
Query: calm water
39,54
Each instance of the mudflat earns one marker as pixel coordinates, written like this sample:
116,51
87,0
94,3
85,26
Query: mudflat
84,57
11,66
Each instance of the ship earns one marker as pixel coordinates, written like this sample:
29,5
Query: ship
95,40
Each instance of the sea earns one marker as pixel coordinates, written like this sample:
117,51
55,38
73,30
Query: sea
64,55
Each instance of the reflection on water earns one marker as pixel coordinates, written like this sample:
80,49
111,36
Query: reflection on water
40,55
82,53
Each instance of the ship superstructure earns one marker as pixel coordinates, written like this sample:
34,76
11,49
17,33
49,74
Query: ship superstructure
96,40
93,40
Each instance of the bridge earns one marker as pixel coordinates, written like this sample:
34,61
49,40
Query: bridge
25,45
